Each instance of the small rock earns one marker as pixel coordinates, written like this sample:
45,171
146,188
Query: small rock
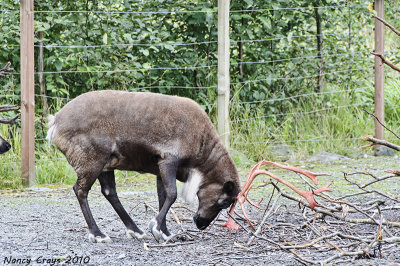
280,151
383,151
326,157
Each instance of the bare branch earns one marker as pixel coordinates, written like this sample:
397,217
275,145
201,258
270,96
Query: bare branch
378,180
265,218
6,69
10,121
386,24
387,61
382,142
395,172
381,123
6,108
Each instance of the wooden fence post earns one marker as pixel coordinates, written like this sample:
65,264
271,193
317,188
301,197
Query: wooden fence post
223,71
379,72
27,93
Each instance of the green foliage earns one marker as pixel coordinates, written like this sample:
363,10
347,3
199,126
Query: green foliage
157,45
308,128
392,103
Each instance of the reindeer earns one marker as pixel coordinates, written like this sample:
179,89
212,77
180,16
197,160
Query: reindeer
168,136
4,145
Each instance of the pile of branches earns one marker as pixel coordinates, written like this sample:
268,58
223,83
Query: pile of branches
359,225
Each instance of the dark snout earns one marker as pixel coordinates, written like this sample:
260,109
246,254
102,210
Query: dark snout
4,146
201,223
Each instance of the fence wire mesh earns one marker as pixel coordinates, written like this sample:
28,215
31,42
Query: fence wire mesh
282,74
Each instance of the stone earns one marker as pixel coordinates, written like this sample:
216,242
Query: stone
326,157
281,152
383,151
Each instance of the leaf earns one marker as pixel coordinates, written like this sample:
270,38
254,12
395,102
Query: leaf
169,47
41,26
146,66
145,52
58,64
266,22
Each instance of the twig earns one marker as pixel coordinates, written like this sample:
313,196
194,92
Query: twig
327,212
6,69
9,121
381,123
386,61
386,24
175,216
392,197
377,180
170,244
312,243
382,142
395,172
265,218
6,108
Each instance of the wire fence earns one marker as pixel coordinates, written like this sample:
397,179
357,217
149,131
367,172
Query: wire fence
306,61
183,11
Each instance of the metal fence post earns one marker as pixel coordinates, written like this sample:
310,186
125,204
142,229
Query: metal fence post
27,93
223,71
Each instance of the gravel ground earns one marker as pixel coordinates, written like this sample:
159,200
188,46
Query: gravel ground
45,226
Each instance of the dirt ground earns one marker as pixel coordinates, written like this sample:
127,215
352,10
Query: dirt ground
45,226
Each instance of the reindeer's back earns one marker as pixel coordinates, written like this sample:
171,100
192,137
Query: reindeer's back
167,123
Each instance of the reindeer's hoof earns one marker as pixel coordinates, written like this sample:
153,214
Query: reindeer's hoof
138,236
158,234
99,239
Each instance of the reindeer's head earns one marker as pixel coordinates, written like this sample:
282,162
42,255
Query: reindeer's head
213,197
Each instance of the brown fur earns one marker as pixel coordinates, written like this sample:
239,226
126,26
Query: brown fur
106,130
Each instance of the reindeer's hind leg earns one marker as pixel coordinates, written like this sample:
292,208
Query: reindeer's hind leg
81,188
107,182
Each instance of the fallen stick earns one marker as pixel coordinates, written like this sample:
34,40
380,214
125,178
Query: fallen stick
382,142
264,218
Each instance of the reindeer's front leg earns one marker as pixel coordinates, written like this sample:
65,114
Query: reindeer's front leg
167,194
162,195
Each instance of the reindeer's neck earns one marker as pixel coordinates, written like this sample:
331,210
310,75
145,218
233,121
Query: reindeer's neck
219,166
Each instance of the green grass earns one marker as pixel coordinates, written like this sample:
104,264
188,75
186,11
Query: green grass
306,132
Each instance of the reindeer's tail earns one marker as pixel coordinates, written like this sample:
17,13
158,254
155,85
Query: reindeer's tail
52,128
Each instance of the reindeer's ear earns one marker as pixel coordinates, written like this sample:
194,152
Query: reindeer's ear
229,188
